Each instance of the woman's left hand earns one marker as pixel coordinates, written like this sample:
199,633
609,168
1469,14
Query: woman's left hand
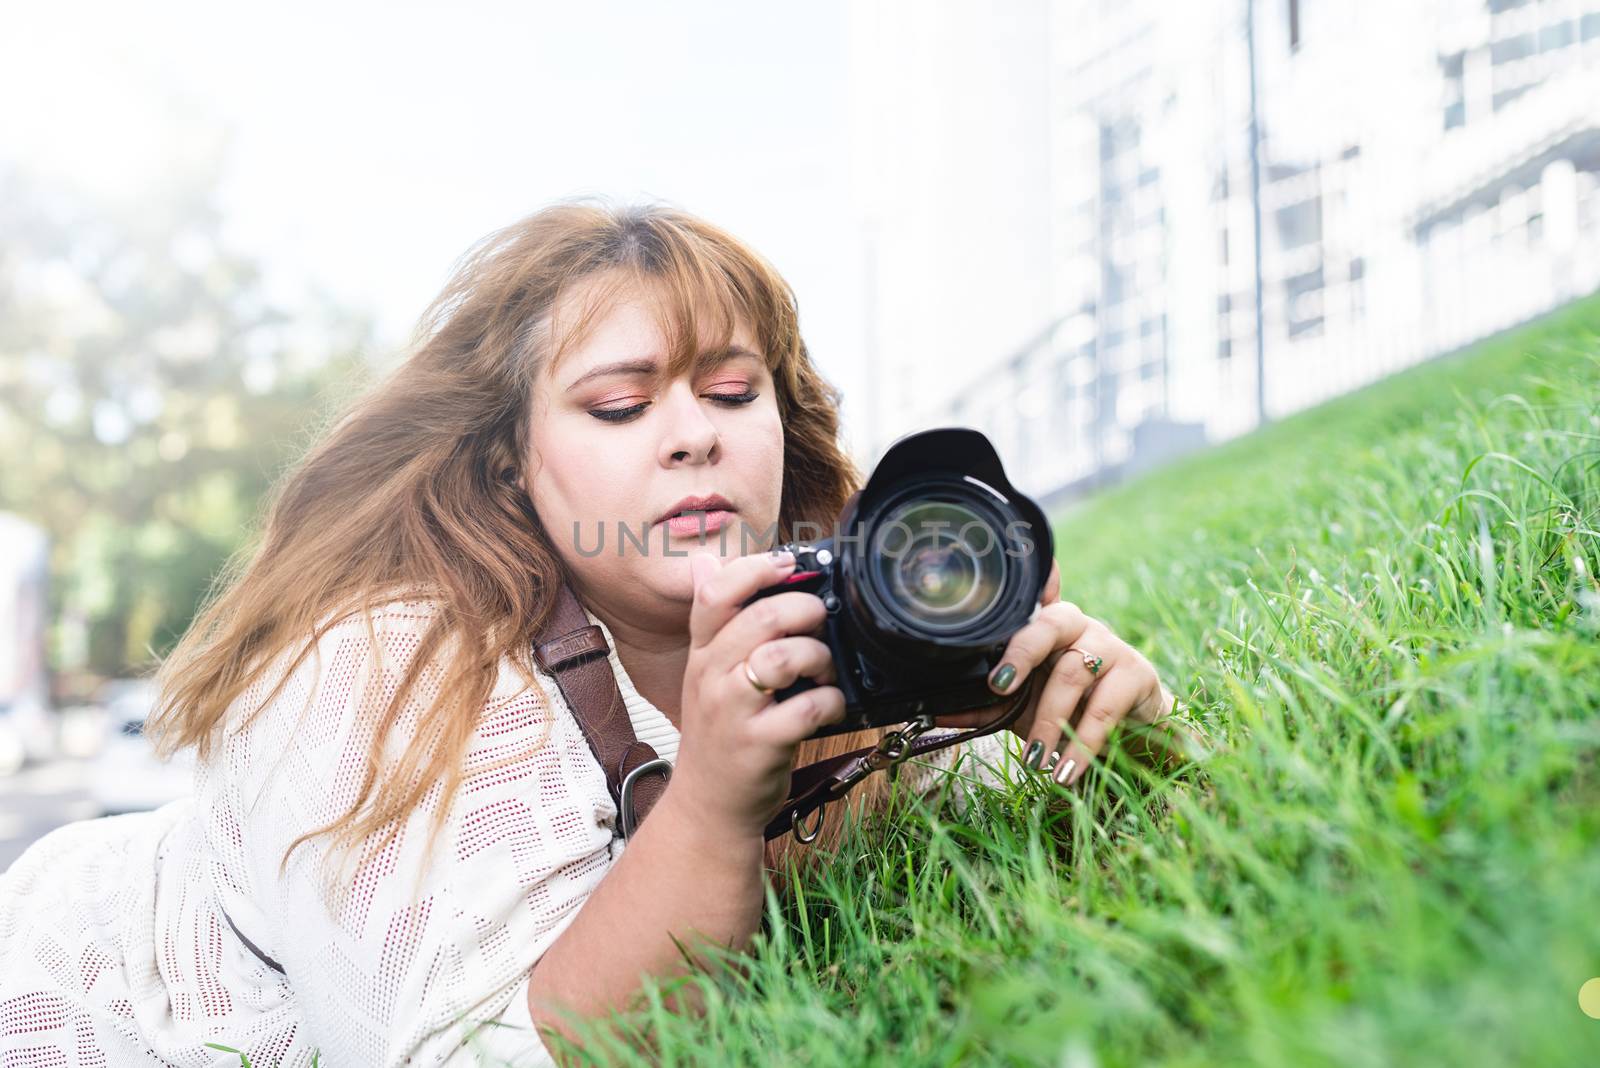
1064,641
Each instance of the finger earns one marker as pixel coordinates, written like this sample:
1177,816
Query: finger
979,716
1070,680
792,721
720,590
765,620
784,661
1052,585
1166,745
1055,626
1112,697
1162,740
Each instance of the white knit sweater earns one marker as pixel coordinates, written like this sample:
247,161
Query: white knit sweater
114,949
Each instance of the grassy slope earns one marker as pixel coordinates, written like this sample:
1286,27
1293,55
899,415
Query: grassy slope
1384,614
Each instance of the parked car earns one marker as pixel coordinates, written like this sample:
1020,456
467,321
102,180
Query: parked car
127,776
27,725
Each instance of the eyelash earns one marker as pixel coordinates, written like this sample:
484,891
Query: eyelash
620,415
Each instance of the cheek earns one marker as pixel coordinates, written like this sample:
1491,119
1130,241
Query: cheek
761,471
770,449
568,485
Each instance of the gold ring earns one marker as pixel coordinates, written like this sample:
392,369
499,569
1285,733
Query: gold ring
761,687
1092,662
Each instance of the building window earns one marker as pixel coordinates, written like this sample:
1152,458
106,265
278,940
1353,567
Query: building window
1555,36
1114,283
1118,137
1302,300
1511,49
1455,110
1501,99
1300,224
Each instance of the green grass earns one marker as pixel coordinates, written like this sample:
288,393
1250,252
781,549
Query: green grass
1384,614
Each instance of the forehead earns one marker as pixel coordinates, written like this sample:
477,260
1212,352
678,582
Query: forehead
620,317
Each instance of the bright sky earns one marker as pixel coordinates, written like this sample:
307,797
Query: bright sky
373,143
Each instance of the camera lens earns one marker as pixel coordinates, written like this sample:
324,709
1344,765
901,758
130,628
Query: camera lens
941,562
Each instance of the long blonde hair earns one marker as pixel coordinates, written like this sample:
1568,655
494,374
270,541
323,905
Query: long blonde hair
414,488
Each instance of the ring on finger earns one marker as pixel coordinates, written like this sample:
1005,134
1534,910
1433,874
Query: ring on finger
749,673
1090,661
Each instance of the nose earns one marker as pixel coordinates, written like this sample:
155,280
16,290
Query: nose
691,437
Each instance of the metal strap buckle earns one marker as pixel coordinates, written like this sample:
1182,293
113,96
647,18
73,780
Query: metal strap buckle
896,745
892,749
625,802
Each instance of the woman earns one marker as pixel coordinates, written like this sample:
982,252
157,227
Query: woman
399,836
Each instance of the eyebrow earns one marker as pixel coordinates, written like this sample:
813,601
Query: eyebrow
648,366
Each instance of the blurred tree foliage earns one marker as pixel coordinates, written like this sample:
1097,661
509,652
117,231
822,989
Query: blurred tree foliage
149,396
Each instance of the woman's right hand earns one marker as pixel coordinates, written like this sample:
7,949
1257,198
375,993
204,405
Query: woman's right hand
737,745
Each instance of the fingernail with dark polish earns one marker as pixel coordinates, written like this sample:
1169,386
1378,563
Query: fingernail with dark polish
1035,755
1001,680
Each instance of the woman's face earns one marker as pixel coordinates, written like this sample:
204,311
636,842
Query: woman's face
615,447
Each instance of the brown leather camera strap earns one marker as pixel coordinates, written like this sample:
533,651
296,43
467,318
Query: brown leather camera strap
574,651
813,786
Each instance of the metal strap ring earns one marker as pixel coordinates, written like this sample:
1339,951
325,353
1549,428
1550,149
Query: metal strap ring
816,828
625,803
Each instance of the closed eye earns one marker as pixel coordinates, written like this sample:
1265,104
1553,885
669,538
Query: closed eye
622,415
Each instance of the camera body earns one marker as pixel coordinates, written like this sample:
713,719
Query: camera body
933,565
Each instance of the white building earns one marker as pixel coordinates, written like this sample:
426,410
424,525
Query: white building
950,112
1427,176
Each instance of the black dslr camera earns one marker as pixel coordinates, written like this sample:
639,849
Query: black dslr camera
933,565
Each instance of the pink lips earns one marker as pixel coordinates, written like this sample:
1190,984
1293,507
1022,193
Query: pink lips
689,526
693,516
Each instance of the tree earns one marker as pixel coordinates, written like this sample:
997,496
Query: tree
149,396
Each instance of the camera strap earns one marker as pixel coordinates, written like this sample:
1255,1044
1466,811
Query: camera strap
813,786
575,653
574,650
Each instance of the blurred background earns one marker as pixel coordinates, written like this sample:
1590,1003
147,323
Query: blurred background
1104,234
